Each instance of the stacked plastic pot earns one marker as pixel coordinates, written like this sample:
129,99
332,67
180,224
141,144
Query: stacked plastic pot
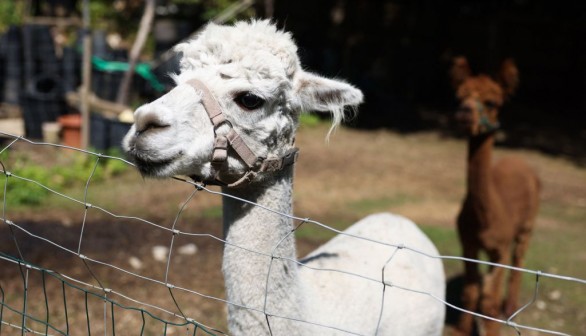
42,99
11,53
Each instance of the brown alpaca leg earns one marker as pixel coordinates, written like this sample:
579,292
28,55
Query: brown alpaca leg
511,303
492,285
470,292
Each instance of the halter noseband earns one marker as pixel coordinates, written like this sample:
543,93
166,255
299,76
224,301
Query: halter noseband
232,139
486,125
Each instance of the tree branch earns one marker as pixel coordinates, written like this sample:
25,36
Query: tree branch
146,23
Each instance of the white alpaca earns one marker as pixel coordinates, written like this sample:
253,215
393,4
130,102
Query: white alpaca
249,74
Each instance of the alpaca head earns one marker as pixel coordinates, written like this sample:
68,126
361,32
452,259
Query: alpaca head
252,74
481,96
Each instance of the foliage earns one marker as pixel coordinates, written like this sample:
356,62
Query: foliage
124,15
11,13
28,181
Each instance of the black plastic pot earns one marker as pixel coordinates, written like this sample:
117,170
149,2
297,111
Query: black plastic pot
2,62
71,68
12,66
38,54
106,133
105,84
41,102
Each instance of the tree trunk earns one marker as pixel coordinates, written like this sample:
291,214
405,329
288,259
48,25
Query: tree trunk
146,22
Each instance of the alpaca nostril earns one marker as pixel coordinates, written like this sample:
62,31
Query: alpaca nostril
153,125
148,122
150,127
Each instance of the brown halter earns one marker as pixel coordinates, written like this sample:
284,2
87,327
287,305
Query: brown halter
232,139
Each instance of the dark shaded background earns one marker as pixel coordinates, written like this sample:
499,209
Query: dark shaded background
399,52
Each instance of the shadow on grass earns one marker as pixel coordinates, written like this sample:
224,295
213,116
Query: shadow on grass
453,295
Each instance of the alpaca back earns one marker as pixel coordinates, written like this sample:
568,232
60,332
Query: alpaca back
353,303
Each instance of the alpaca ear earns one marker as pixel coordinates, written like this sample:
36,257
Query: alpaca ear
316,93
508,76
459,71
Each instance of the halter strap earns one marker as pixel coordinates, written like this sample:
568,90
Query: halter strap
486,125
232,139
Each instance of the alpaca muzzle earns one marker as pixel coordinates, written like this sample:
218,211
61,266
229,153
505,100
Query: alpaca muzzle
474,115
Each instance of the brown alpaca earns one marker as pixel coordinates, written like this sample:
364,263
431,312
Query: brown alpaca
501,203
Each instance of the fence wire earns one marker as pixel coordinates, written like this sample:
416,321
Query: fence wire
57,319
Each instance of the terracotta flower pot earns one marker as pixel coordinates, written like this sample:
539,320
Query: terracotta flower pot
70,130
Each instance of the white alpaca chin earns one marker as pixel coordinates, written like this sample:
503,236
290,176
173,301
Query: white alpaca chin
252,74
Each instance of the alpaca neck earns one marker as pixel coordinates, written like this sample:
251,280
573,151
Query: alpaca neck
479,164
480,187
245,272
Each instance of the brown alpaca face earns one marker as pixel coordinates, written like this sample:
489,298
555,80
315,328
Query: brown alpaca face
480,98
475,117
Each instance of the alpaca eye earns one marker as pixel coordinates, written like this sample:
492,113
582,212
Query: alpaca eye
249,101
490,104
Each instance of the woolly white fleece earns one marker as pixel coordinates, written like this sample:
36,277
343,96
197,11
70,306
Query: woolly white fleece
174,136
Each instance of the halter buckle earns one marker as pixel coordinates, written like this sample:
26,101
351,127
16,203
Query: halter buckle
220,153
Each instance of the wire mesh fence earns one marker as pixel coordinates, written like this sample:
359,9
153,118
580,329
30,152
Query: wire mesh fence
82,290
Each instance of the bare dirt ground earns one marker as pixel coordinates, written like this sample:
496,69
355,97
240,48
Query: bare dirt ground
419,175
